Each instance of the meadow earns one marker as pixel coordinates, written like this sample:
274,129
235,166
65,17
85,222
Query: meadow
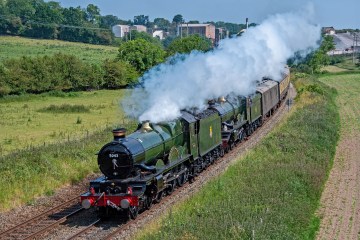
34,120
273,191
348,64
16,47
50,140
340,202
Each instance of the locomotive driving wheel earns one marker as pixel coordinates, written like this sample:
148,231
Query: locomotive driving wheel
182,178
158,197
170,189
148,202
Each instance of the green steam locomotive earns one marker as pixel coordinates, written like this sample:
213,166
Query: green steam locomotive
142,167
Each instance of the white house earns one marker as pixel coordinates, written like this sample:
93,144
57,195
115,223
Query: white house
120,30
159,34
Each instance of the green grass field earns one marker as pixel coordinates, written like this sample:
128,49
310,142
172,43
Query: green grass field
348,86
16,47
272,192
34,120
48,141
348,63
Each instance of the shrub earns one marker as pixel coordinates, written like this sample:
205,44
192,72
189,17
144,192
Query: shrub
118,74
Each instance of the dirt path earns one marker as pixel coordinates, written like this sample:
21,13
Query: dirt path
340,201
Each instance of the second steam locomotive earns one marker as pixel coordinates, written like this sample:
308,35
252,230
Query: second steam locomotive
139,169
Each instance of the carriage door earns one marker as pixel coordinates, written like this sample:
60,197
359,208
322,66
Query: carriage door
194,139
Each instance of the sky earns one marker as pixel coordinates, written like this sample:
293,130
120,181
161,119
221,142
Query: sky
336,13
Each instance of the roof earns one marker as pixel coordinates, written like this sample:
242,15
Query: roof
196,24
344,41
188,117
266,85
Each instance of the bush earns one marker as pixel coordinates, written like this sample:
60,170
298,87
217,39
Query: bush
49,73
141,54
118,74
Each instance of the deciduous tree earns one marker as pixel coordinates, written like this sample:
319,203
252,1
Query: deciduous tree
141,54
188,44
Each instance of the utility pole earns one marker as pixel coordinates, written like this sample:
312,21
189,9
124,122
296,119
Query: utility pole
354,46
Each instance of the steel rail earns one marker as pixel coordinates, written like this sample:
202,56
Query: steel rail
42,219
84,230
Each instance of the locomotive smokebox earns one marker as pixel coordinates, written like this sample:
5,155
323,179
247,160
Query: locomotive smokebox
119,133
145,127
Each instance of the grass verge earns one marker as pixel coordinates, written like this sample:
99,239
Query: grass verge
274,191
30,173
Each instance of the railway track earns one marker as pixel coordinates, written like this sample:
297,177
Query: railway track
81,233
43,222
99,229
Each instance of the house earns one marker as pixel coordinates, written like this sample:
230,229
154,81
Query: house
207,30
328,30
159,34
139,28
120,30
220,33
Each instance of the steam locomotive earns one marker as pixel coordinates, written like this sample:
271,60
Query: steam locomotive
139,169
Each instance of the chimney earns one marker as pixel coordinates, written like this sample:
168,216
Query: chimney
247,23
119,133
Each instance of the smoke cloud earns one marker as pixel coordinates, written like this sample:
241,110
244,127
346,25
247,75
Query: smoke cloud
188,81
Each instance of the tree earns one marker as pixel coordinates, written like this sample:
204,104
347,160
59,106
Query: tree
92,13
109,20
162,23
193,22
319,58
142,35
141,54
74,16
141,20
178,18
50,12
21,8
188,44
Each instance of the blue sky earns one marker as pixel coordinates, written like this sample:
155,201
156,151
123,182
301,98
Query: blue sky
336,13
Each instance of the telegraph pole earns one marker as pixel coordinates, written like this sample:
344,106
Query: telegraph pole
354,46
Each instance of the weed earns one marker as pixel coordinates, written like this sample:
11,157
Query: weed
65,108
78,120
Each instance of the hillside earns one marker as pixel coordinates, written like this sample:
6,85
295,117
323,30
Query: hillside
16,47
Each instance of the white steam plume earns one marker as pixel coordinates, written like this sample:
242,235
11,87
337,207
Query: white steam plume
234,67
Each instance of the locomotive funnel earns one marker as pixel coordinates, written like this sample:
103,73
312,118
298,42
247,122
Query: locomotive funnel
145,127
119,133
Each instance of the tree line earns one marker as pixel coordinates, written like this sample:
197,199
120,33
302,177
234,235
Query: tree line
48,20
64,72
